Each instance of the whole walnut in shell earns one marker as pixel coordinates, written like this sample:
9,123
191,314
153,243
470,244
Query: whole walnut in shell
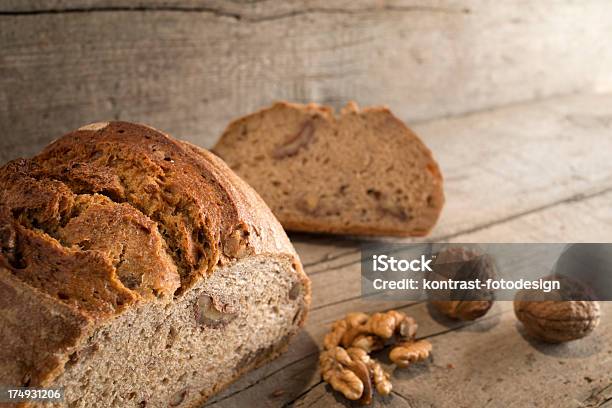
462,263
551,318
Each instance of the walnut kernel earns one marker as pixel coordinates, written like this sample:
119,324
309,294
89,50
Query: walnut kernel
293,144
345,363
403,354
212,313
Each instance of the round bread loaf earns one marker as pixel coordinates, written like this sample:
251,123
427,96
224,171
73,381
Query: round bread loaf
138,270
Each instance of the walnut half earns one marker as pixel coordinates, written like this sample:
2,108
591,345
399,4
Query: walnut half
403,354
340,371
236,244
345,363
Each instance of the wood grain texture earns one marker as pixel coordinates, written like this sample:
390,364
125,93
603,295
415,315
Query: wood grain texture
518,371
188,67
508,162
568,374
553,185
492,363
294,375
528,171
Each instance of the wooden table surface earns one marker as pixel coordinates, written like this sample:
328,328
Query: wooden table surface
534,172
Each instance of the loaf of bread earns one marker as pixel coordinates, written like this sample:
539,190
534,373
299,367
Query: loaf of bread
139,271
361,172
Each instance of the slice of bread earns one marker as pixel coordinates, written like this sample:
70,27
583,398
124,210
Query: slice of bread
139,271
362,172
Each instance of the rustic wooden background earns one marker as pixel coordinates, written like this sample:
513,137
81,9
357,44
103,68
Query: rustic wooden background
189,66
533,172
514,98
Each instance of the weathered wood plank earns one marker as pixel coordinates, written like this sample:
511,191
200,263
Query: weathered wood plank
508,162
322,395
302,355
491,363
295,373
584,220
578,220
248,8
302,351
500,367
581,219
336,285
188,67
317,250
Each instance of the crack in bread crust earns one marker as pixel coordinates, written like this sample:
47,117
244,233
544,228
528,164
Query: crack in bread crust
42,215
154,175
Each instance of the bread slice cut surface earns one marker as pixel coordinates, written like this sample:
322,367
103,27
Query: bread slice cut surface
359,172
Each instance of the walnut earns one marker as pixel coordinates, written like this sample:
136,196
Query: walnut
295,291
551,318
378,376
407,327
385,324
212,312
293,144
462,263
368,343
178,398
356,318
386,205
346,361
363,373
409,352
370,332
337,369
333,338
589,265
381,325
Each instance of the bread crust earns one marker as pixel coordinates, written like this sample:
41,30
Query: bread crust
219,217
234,145
50,330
